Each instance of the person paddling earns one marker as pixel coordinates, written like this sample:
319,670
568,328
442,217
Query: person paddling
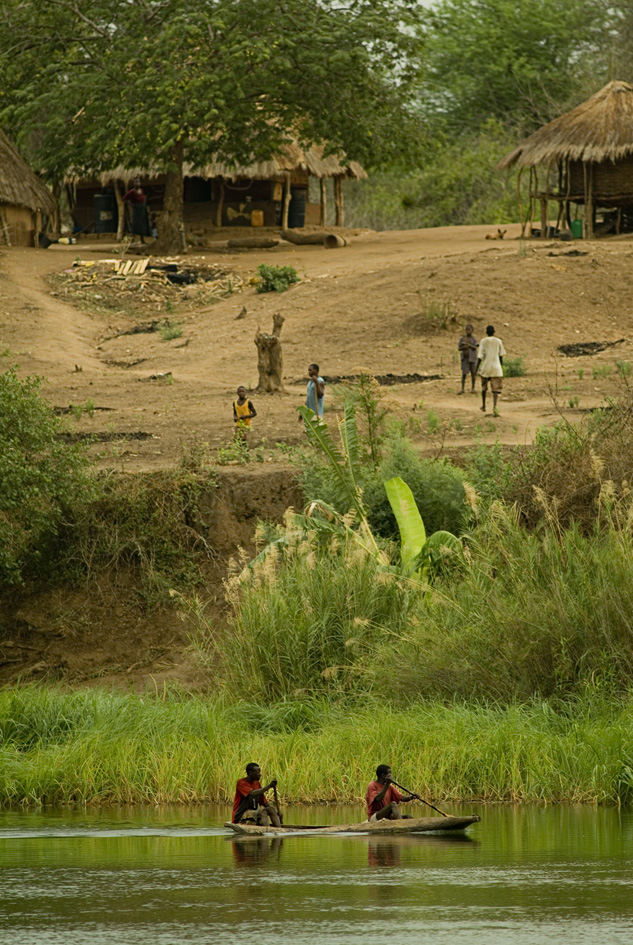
250,798
383,799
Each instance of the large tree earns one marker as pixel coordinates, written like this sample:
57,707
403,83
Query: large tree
90,84
516,61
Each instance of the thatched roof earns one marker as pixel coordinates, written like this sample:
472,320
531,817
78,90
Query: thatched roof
18,184
290,158
601,129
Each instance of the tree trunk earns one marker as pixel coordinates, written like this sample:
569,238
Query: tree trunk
218,214
171,230
269,359
120,203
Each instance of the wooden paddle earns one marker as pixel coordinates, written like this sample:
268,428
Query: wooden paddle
417,796
279,814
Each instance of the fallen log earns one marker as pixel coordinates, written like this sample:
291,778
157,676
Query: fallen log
320,238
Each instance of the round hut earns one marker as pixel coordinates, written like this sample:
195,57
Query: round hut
23,199
584,157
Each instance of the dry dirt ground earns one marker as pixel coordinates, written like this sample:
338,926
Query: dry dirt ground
365,306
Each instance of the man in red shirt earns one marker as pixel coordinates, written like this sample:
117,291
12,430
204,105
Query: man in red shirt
383,798
250,798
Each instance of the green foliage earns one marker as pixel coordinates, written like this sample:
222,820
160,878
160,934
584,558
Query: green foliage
40,477
418,554
457,184
514,61
605,370
236,452
366,396
513,367
624,368
437,487
275,278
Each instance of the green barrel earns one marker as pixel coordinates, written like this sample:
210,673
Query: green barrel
576,229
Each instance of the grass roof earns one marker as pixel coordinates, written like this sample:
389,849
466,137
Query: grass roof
19,185
601,129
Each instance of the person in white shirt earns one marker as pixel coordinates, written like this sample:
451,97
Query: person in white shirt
490,367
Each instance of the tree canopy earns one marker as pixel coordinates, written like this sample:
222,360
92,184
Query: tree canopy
92,84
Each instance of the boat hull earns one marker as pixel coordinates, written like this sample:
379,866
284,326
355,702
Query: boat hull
379,828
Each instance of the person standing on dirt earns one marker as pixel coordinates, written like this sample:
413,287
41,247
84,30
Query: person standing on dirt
136,198
316,391
490,367
467,346
250,798
243,413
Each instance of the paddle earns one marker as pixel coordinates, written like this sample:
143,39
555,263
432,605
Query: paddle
279,814
417,796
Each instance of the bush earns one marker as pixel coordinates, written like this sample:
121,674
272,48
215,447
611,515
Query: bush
275,278
513,367
40,476
437,486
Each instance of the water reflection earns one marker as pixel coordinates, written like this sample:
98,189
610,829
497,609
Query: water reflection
251,851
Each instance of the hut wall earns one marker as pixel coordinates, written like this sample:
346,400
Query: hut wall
609,180
20,224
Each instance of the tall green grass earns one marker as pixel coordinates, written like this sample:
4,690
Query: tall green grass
531,614
99,747
307,620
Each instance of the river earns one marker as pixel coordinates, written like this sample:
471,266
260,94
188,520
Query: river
525,875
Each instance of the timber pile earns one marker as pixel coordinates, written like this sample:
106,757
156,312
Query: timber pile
159,284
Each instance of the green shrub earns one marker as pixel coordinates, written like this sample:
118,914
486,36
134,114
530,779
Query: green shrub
169,329
275,278
513,367
40,476
437,487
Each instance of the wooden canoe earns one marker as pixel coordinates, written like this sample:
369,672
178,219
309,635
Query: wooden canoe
379,828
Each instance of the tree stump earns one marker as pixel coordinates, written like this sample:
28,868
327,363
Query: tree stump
269,360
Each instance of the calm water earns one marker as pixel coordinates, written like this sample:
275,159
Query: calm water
524,875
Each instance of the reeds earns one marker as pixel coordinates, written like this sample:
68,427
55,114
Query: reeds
101,747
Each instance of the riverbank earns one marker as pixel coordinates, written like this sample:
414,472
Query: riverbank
98,747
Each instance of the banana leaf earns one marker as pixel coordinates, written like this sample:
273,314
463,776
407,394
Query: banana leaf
410,524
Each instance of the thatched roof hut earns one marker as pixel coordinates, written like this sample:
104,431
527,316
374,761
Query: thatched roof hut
592,149
284,174
23,197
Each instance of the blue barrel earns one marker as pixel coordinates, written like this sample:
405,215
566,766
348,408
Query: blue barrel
297,208
106,214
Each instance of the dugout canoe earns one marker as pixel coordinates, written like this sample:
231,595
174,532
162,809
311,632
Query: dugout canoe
380,828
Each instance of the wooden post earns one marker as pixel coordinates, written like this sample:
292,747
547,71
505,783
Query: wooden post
543,217
286,207
338,200
269,360
218,213
323,216
589,204
38,228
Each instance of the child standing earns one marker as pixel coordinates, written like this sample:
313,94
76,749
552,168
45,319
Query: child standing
243,413
467,346
490,367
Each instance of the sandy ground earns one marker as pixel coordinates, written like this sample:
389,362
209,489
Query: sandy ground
360,307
